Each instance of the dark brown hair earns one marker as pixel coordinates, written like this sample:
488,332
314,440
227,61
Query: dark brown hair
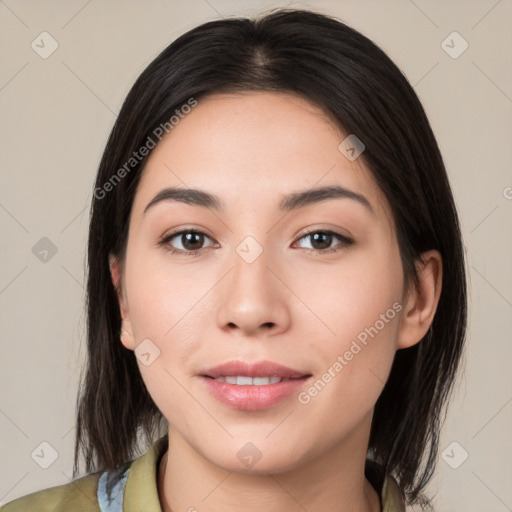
331,65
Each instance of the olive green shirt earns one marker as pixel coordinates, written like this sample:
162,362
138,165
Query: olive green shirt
133,488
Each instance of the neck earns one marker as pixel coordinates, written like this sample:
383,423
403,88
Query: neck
335,481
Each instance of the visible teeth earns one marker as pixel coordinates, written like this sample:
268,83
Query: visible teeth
242,380
262,381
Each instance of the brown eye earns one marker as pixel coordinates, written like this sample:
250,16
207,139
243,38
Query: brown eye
192,241
321,241
186,241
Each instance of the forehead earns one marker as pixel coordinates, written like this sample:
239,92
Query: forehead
255,145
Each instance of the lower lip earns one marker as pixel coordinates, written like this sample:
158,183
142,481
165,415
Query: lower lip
252,398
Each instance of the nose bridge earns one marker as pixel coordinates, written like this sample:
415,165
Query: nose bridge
253,297
251,277
252,252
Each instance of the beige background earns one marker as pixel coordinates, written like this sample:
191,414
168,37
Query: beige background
56,114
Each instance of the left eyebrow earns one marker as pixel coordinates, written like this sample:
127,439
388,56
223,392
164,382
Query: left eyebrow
289,202
316,195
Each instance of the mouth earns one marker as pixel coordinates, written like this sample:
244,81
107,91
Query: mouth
245,380
254,386
259,373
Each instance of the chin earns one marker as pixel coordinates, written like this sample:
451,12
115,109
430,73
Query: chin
255,458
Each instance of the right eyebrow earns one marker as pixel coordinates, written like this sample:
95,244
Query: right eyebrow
187,195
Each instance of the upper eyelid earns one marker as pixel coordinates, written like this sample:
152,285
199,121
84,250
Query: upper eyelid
174,234
323,230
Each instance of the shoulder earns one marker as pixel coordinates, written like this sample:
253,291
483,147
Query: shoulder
132,486
391,497
79,495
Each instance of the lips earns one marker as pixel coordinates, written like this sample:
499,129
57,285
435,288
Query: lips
252,387
259,369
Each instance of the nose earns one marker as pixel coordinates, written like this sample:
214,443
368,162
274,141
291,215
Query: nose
253,299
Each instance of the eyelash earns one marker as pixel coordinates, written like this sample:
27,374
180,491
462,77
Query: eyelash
344,242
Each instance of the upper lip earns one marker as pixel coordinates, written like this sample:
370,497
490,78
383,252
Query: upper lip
258,369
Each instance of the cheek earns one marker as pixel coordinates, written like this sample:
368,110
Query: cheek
359,308
165,308
162,296
168,305
353,296
356,359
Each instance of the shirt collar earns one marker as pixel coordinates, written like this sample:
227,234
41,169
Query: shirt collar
141,491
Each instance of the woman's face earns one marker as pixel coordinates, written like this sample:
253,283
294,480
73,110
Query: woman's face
312,283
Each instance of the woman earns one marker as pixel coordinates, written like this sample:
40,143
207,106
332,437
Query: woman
276,287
